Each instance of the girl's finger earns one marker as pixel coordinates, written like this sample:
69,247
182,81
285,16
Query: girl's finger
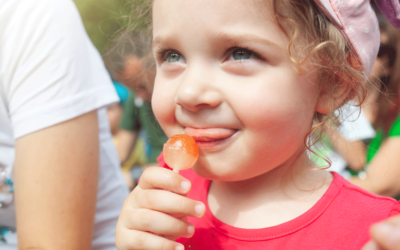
158,223
162,178
371,246
137,240
394,221
386,235
167,202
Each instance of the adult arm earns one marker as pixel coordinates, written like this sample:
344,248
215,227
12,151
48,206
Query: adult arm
54,81
56,171
383,173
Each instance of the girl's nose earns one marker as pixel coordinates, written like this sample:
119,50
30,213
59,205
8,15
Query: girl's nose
197,91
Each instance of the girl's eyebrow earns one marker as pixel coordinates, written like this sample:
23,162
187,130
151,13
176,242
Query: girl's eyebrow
222,37
245,37
159,40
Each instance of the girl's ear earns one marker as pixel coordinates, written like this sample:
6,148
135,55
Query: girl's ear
331,99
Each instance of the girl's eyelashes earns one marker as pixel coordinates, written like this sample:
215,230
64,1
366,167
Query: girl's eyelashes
234,54
169,56
242,54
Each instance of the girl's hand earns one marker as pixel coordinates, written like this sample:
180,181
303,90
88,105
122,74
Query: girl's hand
385,236
154,214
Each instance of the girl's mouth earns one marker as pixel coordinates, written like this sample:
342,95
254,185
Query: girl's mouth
210,139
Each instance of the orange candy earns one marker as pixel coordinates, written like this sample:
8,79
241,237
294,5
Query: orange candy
180,152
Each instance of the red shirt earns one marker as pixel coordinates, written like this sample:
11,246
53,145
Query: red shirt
339,220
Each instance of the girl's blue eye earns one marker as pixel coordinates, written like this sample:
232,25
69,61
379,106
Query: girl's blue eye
241,54
173,57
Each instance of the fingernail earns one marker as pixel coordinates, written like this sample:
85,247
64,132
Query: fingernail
199,208
179,247
190,230
185,185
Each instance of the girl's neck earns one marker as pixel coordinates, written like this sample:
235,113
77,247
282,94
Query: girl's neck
275,197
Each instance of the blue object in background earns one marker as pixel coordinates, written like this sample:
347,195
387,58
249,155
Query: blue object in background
122,91
147,143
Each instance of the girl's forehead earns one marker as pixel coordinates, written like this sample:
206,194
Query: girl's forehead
213,17
216,10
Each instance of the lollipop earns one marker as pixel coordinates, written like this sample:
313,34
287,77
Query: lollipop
180,152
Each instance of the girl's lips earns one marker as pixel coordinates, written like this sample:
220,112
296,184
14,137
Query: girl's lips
209,134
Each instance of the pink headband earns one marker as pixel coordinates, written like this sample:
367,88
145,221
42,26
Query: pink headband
357,21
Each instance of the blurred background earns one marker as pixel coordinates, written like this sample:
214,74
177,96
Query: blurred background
103,19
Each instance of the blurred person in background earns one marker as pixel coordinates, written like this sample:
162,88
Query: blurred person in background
137,156
343,143
382,173
137,72
60,184
114,112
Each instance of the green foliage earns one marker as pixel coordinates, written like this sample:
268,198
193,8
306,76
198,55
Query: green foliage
104,19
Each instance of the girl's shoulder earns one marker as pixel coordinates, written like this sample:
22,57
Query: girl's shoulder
353,197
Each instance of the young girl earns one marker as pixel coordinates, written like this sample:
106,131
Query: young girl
246,79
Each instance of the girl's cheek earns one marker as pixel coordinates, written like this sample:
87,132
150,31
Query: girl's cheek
163,103
171,68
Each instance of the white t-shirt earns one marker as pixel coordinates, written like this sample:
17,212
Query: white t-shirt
354,126
49,73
